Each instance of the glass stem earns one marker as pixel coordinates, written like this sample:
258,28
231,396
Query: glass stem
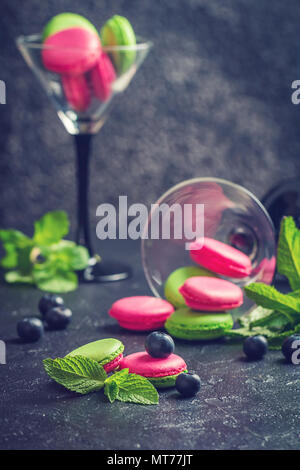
83,152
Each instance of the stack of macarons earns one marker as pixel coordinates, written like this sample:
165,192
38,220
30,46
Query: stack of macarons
72,48
158,364
204,300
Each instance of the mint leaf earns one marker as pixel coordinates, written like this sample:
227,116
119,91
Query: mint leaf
52,280
258,313
15,276
77,373
14,237
111,390
51,228
134,388
270,298
288,252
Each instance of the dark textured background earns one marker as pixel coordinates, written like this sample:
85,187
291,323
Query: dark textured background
212,99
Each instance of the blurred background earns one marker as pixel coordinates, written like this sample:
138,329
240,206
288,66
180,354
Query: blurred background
213,98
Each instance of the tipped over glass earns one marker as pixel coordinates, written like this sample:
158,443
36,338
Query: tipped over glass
82,102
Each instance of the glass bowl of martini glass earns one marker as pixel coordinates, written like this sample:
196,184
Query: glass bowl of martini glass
226,211
81,85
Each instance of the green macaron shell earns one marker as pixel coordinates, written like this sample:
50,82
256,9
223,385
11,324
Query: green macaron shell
118,31
187,324
164,382
177,278
102,351
66,21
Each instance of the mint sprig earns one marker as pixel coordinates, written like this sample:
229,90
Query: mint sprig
82,375
78,374
277,315
127,387
46,259
288,252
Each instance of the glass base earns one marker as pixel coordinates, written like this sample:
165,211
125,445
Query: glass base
105,271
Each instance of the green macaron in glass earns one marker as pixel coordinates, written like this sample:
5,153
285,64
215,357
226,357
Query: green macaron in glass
66,21
107,352
117,31
177,278
187,324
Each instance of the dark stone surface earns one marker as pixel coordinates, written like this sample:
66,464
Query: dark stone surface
212,99
242,405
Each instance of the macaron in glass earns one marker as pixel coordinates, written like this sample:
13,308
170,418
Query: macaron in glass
117,31
107,352
211,294
141,313
162,372
76,91
220,258
102,77
177,278
71,51
66,21
187,324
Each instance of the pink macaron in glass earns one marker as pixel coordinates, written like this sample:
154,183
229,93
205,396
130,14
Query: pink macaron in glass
71,51
76,91
102,76
211,294
220,258
141,313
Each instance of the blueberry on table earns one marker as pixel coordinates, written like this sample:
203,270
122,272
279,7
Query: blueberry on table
188,384
30,329
159,344
49,301
58,318
255,347
291,349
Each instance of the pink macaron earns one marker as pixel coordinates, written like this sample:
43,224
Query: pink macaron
76,91
220,258
211,294
102,77
141,313
162,372
71,51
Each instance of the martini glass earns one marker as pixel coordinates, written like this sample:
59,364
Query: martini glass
83,117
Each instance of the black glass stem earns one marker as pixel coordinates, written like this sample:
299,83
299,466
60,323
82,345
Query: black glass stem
103,271
83,153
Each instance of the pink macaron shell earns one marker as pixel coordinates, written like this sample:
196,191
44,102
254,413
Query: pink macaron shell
76,91
102,76
141,312
142,363
211,294
220,258
71,51
112,365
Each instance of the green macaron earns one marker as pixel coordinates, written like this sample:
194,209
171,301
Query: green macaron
177,278
66,21
164,382
107,352
117,31
187,324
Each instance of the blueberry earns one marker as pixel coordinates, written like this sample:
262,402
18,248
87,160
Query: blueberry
30,329
288,350
159,344
188,384
49,301
58,318
255,347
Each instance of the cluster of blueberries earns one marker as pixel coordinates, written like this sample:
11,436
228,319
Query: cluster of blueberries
255,347
161,345
54,315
